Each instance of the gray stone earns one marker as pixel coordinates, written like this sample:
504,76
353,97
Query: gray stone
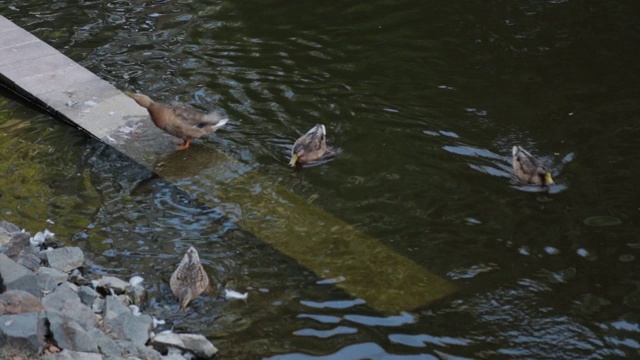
122,324
29,259
68,334
27,329
9,227
173,357
137,294
98,305
49,278
195,343
66,258
87,295
72,355
110,282
17,242
18,302
107,346
130,349
17,277
66,301
124,300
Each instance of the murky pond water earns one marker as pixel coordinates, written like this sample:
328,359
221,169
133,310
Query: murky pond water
422,102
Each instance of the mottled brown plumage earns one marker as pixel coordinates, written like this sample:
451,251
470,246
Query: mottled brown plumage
529,169
189,280
180,120
310,146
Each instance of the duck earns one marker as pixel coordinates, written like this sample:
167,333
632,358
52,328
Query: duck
309,147
529,169
189,280
180,120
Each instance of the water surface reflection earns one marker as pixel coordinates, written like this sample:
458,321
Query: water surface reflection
423,101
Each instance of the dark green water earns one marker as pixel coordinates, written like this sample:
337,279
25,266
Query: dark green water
422,101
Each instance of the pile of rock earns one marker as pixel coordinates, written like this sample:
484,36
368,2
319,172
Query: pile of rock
49,310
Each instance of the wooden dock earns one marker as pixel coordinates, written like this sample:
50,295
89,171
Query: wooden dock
370,270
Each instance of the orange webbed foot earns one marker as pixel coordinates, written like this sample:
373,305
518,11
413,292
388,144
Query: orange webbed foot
184,146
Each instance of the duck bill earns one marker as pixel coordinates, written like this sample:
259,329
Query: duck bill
548,179
294,160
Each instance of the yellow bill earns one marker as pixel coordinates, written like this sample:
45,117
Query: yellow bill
294,160
548,179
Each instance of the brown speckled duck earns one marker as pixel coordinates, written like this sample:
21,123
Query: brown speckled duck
180,120
310,146
529,169
189,280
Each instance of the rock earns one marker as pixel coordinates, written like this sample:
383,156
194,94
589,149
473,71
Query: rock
69,334
18,302
98,305
194,343
122,324
124,300
17,277
87,295
18,241
137,294
66,258
26,329
66,301
29,259
77,278
49,278
9,227
110,282
173,357
107,346
72,355
140,351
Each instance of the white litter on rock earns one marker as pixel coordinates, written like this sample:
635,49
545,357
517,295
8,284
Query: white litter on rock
136,280
135,310
48,234
157,322
90,103
38,239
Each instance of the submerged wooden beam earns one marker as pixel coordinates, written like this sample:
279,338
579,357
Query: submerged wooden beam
363,266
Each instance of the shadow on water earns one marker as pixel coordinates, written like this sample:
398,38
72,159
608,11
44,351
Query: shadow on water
423,101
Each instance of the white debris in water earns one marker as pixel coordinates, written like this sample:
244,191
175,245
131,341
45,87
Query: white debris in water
582,252
551,250
335,280
90,103
135,310
232,294
136,280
